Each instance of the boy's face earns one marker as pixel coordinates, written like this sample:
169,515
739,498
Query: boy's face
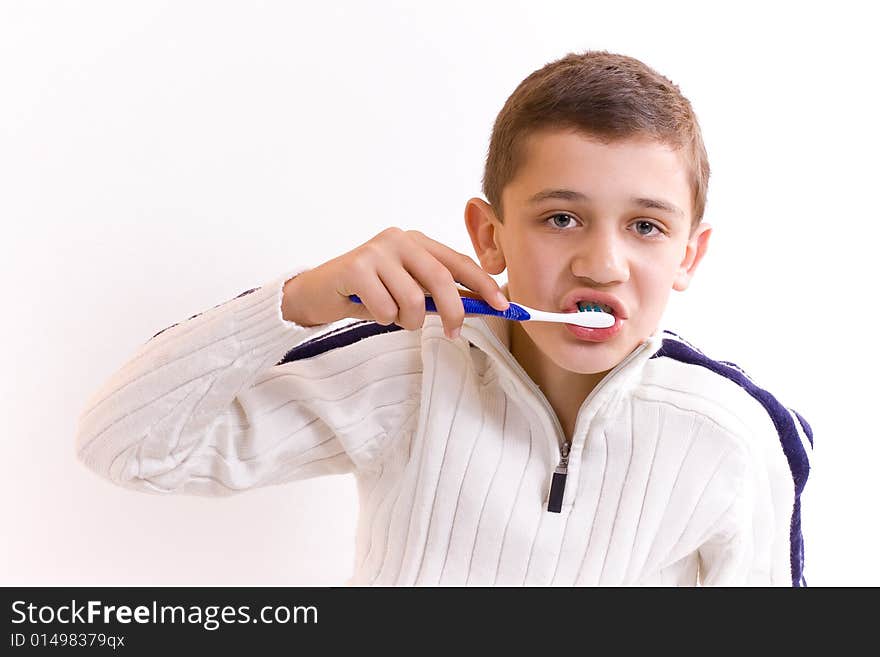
610,242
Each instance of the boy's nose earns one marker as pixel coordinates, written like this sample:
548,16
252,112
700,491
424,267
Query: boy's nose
601,259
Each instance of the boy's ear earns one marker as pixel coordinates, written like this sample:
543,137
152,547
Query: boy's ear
696,249
483,227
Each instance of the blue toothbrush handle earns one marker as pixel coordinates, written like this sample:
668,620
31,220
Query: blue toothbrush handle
474,307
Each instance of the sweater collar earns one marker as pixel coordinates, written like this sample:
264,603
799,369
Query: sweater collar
490,333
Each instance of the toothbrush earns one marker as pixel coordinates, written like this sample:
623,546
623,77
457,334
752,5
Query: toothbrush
589,317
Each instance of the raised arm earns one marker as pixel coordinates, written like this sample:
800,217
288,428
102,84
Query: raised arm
203,409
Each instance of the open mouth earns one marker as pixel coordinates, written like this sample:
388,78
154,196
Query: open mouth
586,300
585,306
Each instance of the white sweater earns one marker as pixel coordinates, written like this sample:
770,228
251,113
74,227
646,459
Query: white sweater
681,470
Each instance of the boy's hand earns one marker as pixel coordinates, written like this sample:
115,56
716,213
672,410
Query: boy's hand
390,273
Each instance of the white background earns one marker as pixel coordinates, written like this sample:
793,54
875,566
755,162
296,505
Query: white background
159,158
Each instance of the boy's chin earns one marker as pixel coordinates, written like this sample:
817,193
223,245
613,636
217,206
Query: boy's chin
582,357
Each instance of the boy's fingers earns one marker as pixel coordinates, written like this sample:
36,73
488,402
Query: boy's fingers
431,274
409,297
378,300
471,275
465,271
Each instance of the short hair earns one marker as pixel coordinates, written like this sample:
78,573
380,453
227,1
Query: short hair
604,96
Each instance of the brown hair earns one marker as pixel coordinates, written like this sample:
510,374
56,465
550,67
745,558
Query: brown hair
605,96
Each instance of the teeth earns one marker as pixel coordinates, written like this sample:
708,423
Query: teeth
588,306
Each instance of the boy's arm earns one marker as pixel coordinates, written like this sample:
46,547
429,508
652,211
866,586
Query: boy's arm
759,540
201,409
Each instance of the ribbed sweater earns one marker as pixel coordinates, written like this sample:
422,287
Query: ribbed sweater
681,470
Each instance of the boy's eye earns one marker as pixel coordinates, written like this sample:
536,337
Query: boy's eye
562,224
647,226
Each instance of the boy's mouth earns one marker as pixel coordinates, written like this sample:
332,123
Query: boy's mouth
593,306
586,298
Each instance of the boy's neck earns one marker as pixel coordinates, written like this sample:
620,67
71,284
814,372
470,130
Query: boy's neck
565,390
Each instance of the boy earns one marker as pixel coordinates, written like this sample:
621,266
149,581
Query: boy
509,453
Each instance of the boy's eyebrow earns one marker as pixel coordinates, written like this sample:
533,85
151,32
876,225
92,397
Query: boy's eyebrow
571,195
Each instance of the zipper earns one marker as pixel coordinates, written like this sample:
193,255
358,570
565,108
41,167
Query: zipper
557,487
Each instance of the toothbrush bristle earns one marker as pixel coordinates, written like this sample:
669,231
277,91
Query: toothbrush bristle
586,307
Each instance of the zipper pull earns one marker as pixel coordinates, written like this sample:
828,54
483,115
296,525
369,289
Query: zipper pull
558,485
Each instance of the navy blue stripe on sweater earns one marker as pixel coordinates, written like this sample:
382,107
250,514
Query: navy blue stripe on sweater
340,337
679,349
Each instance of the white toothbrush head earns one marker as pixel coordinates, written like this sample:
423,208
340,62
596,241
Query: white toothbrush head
585,318
589,319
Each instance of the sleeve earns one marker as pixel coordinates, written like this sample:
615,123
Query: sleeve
759,540
202,408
